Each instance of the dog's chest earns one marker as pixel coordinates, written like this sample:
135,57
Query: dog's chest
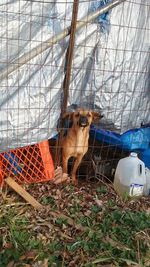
81,142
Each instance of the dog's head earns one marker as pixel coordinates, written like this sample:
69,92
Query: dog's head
83,117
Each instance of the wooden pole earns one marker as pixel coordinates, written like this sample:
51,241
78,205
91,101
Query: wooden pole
66,83
69,56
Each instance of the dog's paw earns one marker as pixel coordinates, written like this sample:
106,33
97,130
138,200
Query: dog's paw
60,177
75,181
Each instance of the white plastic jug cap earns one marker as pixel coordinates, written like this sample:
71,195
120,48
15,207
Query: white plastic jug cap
133,154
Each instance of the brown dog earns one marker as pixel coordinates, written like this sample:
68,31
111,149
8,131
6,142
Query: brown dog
75,143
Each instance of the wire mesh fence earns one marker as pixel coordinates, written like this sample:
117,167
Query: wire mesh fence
109,74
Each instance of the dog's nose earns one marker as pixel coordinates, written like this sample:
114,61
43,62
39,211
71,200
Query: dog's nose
83,121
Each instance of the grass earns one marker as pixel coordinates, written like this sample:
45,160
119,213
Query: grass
113,234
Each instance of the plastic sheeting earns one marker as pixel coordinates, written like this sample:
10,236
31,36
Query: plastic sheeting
132,140
137,140
110,68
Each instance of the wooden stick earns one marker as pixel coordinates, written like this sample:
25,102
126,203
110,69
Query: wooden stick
23,193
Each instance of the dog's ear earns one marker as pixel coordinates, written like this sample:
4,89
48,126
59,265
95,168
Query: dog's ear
67,115
96,116
65,120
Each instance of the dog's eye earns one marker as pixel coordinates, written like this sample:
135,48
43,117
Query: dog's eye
77,115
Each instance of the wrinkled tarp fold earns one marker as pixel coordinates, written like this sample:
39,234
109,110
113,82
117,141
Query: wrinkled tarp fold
110,68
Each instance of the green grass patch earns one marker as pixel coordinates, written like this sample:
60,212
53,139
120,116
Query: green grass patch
120,237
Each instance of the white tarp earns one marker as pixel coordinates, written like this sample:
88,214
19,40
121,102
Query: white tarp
110,67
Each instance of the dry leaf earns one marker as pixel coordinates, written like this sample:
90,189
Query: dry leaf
10,264
29,255
99,202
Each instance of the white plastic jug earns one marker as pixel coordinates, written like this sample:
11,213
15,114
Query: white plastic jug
130,178
147,186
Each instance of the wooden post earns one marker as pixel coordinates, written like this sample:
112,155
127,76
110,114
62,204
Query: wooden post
66,83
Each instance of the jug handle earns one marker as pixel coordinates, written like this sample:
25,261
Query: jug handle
140,169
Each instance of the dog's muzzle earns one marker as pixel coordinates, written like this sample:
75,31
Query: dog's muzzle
83,121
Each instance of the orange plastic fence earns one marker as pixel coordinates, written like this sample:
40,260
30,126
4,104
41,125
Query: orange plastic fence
29,164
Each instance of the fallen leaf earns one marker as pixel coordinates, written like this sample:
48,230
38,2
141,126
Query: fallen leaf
10,264
7,245
30,255
41,263
99,202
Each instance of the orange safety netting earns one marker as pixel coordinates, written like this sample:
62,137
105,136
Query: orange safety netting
29,164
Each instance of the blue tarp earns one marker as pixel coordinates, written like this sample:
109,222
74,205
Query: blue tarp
103,19
133,140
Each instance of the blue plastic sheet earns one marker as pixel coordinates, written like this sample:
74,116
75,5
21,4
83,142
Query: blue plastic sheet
103,19
13,160
133,140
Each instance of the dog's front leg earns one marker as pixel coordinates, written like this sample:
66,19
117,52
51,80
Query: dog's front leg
65,164
75,167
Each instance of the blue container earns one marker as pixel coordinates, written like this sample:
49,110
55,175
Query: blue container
145,157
